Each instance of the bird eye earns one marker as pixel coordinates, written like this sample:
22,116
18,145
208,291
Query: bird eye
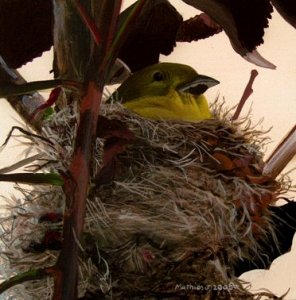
158,76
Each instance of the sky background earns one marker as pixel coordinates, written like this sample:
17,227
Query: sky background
273,100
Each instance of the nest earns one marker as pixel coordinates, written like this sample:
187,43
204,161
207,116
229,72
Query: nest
168,216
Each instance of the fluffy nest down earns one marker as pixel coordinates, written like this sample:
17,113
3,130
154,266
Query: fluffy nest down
172,208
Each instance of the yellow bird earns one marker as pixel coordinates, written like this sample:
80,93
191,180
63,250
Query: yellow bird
167,91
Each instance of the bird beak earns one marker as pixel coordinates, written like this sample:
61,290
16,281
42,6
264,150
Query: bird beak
198,86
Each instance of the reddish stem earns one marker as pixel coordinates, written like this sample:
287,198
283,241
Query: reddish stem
77,183
75,189
247,93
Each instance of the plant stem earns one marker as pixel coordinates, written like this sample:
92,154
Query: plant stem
94,73
75,189
282,155
247,93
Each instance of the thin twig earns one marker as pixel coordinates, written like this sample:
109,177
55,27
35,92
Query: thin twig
26,133
247,93
21,163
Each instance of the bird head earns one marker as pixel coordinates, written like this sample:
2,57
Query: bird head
160,79
167,91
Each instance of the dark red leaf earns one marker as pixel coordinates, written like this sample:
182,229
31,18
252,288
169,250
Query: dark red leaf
258,179
243,161
25,30
113,128
243,21
51,217
117,136
153,33
53,97
52,240
196,28
287,9
225,163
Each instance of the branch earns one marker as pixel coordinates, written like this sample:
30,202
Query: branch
247,93
282,155
96,62
75,189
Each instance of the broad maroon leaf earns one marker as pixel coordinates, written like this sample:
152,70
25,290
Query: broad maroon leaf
156,31
25,30
153,33
196,28
287,9
243,21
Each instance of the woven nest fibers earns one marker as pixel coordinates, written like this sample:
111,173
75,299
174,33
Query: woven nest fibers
170,213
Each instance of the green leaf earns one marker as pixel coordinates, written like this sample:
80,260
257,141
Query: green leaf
48,113
8,89
23,277
33,178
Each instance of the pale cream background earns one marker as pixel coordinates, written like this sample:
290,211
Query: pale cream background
274,99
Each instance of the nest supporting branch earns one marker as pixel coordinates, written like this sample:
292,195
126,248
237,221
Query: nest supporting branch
76,187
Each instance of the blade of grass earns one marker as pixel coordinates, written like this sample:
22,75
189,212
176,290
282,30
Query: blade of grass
33,178
24,277
8,90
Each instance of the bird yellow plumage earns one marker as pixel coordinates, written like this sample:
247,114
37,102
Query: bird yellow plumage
167,91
